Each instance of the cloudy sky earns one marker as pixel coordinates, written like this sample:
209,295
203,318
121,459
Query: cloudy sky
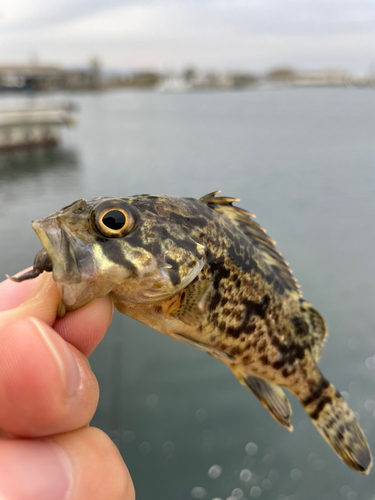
213,34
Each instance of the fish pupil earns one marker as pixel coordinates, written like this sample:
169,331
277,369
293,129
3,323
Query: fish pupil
114,220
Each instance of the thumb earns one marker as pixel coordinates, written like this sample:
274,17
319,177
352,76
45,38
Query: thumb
38,297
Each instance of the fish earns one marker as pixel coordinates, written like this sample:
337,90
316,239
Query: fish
202,271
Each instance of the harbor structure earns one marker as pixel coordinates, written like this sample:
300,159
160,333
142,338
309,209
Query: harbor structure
33,124
47,78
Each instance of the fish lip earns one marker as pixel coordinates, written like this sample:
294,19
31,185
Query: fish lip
56,242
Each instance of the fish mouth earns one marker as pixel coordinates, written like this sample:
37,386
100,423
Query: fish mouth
55,241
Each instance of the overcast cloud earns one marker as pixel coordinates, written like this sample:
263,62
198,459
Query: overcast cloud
233,34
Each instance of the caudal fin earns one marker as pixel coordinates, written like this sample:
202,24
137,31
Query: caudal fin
335,421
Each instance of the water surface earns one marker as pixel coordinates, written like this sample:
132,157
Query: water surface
303,161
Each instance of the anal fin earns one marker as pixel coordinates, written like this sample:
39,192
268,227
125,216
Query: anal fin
271,396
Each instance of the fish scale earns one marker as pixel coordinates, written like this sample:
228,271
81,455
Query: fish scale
205,273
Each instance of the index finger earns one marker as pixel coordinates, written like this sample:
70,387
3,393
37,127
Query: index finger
86,327
39,298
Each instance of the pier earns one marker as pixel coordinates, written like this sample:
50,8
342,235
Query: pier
33,124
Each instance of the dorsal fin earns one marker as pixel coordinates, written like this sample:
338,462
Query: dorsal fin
258,236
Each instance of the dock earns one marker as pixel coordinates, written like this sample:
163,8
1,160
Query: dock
31,124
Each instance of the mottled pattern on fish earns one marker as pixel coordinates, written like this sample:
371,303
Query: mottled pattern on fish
202,271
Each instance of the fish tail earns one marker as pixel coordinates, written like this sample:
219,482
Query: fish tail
337,424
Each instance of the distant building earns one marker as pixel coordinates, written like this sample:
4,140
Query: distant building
281,75
95,71
82,80
235,80
323,77
287,76
142,79
30,77
35,77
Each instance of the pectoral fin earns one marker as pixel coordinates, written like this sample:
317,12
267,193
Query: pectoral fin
271,396
194,298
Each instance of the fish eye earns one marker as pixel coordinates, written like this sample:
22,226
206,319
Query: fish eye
113,221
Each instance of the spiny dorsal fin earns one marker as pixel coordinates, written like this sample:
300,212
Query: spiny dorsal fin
209,196
244,221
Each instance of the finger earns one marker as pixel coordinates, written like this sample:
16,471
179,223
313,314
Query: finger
86,327
81,465
46,384
13,295
38,297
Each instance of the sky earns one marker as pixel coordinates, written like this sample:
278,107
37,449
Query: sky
252,35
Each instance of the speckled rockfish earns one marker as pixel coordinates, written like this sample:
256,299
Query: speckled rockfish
203,272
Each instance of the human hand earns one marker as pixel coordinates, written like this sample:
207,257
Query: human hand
48,395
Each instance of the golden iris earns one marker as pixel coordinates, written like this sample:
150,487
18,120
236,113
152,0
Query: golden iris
113,222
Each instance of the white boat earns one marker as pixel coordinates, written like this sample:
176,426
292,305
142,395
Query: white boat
174,84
